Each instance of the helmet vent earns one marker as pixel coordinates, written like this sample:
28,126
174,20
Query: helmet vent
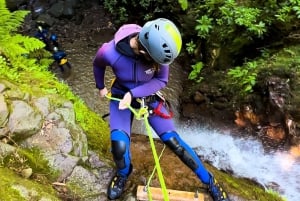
166,60
146,35
156,26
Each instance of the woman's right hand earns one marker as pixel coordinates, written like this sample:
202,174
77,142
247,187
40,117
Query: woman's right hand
103,92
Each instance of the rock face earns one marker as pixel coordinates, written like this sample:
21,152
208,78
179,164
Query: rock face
33,122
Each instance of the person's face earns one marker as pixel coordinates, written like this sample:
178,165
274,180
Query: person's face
142,51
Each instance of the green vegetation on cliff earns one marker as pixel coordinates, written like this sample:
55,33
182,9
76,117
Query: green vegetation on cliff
24,62
14,187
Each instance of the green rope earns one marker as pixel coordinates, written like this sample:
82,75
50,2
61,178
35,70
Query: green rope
140,114
151,176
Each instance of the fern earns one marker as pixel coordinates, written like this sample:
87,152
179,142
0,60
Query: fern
28,43
17,52
4,69
10,22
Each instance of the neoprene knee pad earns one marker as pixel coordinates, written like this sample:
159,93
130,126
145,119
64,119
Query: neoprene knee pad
186,154
120,149
181,149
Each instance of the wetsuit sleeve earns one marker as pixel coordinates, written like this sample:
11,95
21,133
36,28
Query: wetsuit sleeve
99,65
158,82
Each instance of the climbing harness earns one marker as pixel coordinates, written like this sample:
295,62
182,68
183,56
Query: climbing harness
157,110
147,101
143,113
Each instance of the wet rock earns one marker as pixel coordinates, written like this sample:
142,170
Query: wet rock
275,133
3,111
26,173
94,161
246,117
43,105
6,149
278,91
13,5
29,193
92,186
46,18
24,121
67,112
4,132
189,110
199,97
2,87
56,10
38,7
220,105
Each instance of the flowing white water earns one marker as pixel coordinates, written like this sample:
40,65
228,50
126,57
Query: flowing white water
246,158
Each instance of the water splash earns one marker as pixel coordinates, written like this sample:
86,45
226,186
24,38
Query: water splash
247,158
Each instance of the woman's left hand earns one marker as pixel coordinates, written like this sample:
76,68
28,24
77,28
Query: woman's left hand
125,102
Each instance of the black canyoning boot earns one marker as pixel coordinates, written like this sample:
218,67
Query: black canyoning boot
117,185
216,191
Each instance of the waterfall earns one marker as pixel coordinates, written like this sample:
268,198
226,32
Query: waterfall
246,158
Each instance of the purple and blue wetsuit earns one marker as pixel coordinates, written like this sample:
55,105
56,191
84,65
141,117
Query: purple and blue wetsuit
141,80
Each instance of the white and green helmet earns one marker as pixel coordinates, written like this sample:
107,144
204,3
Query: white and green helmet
161,39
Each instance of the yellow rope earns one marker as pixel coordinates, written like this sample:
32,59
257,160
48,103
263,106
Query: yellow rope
140,114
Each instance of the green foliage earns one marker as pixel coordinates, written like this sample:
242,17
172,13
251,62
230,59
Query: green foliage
97,130
297,11
36,191
244,188
24,60
286,61
204,26
226,19
128,11
10,22
275,194
190,47
288,11
18,52
195,73
242,79
184,4
33,158
234,25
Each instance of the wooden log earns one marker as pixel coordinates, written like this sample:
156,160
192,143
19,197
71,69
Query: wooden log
174,195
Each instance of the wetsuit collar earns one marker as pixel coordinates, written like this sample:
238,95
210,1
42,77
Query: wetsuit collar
123,46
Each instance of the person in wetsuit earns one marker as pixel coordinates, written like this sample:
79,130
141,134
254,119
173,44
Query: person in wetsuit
140,59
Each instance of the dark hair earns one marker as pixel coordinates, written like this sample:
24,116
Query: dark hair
146,58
